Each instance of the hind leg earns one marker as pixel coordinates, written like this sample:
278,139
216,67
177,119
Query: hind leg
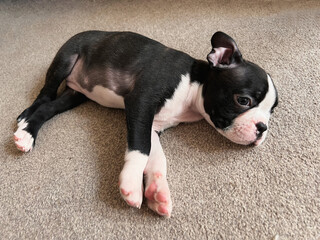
28,129
59,70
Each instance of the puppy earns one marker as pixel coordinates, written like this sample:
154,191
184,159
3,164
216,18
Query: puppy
158,87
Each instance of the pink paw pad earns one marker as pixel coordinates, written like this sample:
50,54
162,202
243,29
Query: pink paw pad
161,197
149,193
158,195
132,195
130,198
163,210
153,194
124,192
25,144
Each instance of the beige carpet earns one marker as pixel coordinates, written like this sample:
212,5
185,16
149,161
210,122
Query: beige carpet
67,187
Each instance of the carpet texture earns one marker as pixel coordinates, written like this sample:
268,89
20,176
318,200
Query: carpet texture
66,188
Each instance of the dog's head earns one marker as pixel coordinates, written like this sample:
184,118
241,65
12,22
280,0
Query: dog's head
239,96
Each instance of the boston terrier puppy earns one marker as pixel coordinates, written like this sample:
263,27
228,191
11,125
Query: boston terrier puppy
158,87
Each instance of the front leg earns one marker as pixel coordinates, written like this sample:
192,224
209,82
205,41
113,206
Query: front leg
157,189
131,177
139,124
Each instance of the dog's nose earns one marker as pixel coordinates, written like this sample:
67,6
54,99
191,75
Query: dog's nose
261,127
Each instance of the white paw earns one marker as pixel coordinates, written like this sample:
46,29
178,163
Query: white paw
158,194
131,188
131,178
23,140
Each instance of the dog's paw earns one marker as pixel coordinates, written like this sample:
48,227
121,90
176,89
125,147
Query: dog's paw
131,178
131,187
132,195
23,139
158,194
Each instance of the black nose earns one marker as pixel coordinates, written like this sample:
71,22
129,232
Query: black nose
261,127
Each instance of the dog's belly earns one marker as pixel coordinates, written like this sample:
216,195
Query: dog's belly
93,85
99,94
175,110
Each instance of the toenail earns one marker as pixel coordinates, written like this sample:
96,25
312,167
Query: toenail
133,204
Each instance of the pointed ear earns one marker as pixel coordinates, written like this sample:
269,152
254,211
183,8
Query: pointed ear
225,52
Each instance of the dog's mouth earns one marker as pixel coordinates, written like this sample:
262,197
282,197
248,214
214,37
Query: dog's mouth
258,140
259,135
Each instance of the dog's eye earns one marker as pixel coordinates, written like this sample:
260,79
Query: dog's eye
243,101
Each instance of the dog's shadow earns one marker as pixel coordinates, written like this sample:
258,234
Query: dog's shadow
107,137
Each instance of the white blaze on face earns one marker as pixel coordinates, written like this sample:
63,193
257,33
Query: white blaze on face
243,129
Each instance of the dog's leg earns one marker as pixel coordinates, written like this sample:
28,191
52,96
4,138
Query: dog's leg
131,178
139,116
27,131
157,189
59,70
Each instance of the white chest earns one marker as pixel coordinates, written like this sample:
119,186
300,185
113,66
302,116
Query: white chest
179,107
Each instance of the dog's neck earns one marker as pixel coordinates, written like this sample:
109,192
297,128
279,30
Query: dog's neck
199,74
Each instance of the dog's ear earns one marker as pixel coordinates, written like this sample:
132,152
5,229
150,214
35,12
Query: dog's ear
225,52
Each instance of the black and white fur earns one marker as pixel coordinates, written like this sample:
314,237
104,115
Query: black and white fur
158,87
